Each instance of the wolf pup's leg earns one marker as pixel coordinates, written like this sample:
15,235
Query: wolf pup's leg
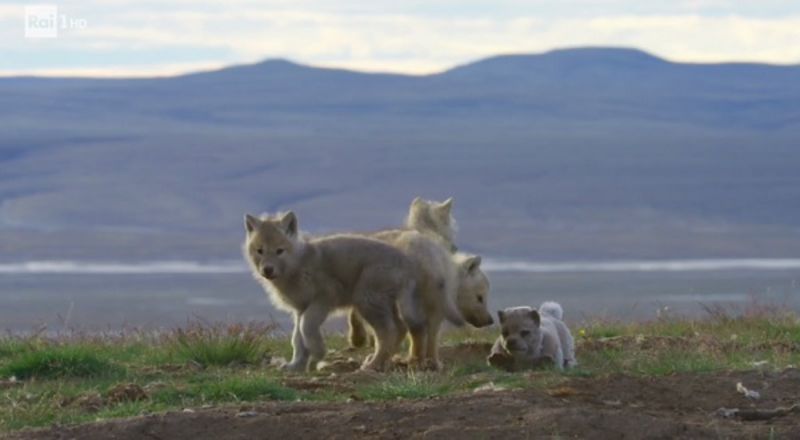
310,328
357,334
402,329
559,360
417,348
432,346
409,306
569,350
551,348
299,350
386,334
414,321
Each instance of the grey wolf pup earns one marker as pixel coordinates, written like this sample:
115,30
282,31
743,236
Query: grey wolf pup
532,338
311,278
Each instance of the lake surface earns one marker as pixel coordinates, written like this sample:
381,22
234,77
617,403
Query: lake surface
96,298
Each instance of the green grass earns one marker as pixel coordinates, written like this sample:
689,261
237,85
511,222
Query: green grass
58,362
406,386
220,345
70,379
678,361
10,347
245,389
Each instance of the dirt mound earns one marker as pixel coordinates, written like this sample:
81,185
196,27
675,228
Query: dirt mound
681,406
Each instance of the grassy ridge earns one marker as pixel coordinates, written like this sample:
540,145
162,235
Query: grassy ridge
76,378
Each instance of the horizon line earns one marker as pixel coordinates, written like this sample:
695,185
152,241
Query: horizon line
187,267
210,67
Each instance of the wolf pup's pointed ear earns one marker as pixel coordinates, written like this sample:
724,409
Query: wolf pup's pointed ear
446,206
251,222
289,224
501,316
472,264
416,201
536,318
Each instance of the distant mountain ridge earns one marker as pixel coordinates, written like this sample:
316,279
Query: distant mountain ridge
588,153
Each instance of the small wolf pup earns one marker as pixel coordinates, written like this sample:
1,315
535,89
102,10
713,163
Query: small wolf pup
313,277
532,338
430,218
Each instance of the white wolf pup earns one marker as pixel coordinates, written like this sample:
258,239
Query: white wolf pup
432,219
532,338
450,287
313,277
429,217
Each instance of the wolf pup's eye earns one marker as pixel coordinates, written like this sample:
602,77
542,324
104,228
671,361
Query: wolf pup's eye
260,251
279,251
480,299
525,333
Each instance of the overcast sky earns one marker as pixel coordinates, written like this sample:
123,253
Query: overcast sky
161,37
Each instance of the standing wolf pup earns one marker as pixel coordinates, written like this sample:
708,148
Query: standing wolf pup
451,288
313,277
531,338
432,219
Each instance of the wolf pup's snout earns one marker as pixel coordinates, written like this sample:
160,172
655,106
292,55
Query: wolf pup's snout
513,344
268,272
480,320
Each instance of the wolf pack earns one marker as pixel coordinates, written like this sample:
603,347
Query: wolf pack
395,285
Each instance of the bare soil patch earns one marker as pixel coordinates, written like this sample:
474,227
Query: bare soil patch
617,406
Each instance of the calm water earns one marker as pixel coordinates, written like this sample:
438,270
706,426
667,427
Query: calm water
99,301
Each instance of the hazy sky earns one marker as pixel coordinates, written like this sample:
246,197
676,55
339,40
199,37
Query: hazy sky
144,37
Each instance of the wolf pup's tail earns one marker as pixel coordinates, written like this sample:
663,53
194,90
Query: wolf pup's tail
552,309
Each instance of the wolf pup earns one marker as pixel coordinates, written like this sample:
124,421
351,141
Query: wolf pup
451,288
428,217
532,338
432,219
313,277
472,297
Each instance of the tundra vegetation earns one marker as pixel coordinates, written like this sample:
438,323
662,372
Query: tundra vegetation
75,377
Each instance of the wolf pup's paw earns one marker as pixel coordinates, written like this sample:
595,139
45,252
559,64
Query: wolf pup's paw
430,365
373,366
544,362
294,366
368,359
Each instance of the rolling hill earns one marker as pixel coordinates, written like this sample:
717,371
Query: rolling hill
591,153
